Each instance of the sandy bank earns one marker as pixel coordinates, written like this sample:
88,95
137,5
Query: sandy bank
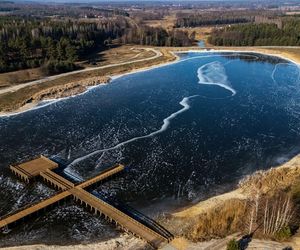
291,54
124,242
264,182
74,83
209,218
24,97
210,203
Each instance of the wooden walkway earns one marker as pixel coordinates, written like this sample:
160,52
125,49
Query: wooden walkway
12,218
114,215
104,175
96,205
56,180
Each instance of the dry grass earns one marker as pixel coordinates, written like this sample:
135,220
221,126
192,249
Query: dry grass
14,100
106,57
289,53
270,182
229,213
218,222
19,77
202,33
167,22
210,204
180,243
117,55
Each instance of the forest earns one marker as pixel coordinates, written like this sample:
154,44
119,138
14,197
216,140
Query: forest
55,44
200,20
258,34
214,18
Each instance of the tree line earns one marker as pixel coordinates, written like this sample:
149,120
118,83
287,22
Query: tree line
215,18
31,42
258,35
156,36
198,20
57,44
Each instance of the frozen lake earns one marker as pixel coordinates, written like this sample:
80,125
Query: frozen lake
183,131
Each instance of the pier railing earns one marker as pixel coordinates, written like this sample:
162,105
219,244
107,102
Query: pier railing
127,218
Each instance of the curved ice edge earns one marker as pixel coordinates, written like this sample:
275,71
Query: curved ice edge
240,52
200,51
48,102
166,123
217,69
279,64
214,73
233,91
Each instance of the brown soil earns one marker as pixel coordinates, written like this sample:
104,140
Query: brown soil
106,57
226,214
75,83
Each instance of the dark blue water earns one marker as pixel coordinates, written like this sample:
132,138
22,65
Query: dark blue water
183,130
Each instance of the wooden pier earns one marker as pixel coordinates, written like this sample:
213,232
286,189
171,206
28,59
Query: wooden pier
42,167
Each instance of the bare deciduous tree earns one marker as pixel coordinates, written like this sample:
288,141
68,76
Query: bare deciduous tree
269,215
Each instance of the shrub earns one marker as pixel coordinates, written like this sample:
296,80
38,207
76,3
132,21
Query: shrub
233,245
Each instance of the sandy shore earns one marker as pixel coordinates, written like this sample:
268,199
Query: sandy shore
285,53
124,242
289,170
166,55
269,182
282,177
210,203
162,57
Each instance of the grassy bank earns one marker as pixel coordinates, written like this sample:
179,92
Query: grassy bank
290,53
100,58
257,207
77,82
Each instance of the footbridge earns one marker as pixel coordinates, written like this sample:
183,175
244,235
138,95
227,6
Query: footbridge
129,220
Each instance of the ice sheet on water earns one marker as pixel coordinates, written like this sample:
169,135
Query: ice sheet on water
214,73
165,125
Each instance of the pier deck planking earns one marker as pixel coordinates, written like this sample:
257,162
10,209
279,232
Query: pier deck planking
43,167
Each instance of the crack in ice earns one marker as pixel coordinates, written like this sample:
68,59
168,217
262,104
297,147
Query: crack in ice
211,74
166,123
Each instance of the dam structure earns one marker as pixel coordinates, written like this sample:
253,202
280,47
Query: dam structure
123,217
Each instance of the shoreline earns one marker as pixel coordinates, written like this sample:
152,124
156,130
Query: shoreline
83,86
269,181
46,102
202,206
124,241
86,85
265,183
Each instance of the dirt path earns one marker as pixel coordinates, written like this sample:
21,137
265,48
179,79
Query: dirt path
46,79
